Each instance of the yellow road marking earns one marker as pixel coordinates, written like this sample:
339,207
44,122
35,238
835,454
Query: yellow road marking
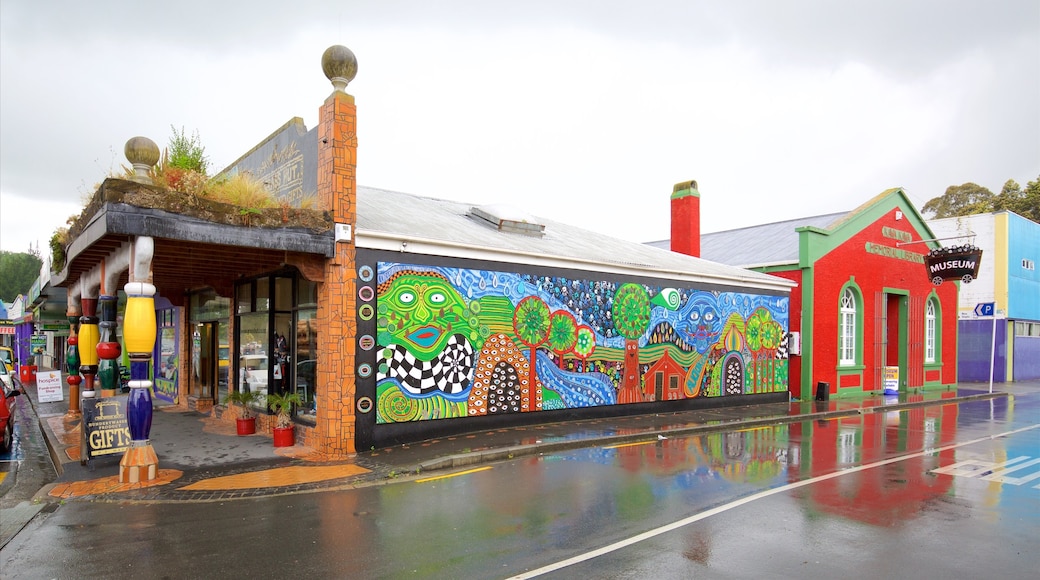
630,444
277,477
424,480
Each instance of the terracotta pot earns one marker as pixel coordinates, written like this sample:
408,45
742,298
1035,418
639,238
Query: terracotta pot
246,426
284,436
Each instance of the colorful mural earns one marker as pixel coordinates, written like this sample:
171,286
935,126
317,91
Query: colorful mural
455,342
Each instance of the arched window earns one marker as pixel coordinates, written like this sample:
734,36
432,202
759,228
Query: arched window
929,332
847,328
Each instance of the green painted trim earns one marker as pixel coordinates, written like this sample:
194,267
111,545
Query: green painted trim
685,189
808,331
904,337
860,305
776,268
850,392
933,298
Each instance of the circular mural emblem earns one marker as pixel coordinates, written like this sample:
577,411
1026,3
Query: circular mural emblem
366,342
366,312
365,273
366,293
364,404
364,370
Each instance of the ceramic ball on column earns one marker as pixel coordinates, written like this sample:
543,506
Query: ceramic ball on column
88,340
140,462
72,366
108,349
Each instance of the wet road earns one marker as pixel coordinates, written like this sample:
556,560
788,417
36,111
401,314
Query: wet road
918,493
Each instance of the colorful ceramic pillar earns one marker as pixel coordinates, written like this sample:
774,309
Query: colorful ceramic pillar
140,462
108,348
72,364
89,334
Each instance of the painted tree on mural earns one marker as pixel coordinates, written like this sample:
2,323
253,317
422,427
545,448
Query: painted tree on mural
531,324
763,338
585,343
563,334
631,312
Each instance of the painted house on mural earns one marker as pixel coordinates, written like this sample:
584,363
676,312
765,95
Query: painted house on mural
398,317
1008,278
865,307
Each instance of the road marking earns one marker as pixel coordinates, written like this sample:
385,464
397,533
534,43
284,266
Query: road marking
619,445
467,472
745,500
992,471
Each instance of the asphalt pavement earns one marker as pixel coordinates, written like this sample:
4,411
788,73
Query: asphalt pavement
201,458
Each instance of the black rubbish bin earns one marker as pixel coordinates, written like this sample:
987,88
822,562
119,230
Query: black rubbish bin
823,391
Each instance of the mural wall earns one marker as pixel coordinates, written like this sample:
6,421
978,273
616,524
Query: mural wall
455,342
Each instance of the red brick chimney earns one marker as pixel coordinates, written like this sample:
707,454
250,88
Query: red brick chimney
686,219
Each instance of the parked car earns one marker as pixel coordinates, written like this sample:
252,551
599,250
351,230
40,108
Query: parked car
252,369
7,358
11,389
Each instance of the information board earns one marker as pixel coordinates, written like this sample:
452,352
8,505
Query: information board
104,426
48,387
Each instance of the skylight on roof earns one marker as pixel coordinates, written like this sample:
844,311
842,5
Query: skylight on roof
506,218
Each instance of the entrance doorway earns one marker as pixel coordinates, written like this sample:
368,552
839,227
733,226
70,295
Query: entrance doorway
891,339
207,365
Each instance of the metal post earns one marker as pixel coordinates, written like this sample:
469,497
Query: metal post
993,350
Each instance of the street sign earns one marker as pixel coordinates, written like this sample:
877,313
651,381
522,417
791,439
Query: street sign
985,309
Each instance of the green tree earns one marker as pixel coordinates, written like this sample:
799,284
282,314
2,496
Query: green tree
17,274
631,312
971,198
563,334
531,324
964,199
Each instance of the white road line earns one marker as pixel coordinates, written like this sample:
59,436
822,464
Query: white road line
762,494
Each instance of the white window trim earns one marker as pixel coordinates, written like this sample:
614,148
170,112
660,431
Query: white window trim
929,332
847,328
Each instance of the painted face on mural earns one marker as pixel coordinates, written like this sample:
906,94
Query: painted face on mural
424,312
701,321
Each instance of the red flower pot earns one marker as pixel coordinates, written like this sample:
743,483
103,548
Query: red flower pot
284,436
246,426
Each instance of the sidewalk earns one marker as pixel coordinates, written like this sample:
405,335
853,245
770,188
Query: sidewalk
201,458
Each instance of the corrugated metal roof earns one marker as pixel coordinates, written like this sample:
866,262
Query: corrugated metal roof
775,243
410,223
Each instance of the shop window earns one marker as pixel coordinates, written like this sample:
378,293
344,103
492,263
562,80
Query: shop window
277,339
847,328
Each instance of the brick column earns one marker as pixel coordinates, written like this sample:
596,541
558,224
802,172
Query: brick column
337,296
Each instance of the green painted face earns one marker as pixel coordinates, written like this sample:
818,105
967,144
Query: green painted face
422,312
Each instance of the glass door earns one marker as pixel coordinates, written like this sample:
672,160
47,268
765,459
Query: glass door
205,360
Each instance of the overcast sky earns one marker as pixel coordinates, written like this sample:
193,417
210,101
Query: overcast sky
585,112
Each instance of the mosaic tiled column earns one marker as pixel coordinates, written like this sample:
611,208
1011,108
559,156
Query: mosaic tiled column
72,364
108,348
140,462
89,334
337,318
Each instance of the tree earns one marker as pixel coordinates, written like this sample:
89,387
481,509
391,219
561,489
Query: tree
563,334
631,312
964,199
971,198
531,324
17,274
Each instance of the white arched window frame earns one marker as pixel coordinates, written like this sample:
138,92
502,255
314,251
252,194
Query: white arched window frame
847,328
929,332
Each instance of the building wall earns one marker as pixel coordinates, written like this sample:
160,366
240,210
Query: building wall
447,343
1023,257
870,262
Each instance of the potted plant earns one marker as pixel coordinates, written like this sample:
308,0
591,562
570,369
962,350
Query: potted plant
246,420
282,404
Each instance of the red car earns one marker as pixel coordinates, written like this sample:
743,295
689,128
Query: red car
9,387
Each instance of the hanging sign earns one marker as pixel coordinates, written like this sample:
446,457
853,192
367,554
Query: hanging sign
953,263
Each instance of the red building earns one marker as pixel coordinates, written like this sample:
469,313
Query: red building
865,307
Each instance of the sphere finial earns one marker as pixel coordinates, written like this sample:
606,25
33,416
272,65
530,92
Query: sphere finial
339,65
143,153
